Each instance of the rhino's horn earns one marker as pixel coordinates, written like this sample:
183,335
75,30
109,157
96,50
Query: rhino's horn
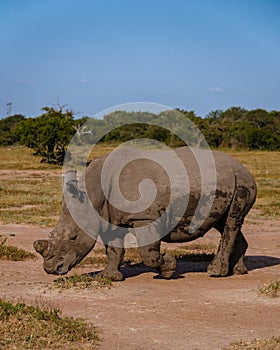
41,246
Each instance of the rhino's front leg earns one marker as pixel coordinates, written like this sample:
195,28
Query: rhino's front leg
165,264
115,254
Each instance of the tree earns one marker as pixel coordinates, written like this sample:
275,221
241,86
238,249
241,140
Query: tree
8,125
49,134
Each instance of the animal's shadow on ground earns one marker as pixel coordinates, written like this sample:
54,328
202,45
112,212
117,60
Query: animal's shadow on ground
183,267
255,262
195,263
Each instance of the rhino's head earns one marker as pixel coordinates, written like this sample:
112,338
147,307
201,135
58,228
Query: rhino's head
63,250
67,244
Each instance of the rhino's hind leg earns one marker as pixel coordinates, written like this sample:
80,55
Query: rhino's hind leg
237,265
226,264
230,255
165,264
168,267
115,254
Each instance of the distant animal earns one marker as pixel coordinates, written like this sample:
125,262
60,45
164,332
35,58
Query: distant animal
235,194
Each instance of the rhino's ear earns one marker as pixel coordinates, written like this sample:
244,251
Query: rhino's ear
71,185
72,188
70,176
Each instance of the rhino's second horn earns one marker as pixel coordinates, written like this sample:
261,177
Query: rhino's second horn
41,246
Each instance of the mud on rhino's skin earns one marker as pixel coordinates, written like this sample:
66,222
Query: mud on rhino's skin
234,196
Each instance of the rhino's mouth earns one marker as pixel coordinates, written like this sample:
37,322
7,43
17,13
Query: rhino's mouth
56,268
61,268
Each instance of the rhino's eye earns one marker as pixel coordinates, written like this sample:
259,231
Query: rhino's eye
73,238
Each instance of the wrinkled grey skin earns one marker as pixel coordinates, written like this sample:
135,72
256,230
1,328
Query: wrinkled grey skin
235,195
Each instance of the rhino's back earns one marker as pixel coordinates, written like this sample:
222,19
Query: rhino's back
223,169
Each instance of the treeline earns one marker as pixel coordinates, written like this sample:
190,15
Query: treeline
233,128
50,133
240,128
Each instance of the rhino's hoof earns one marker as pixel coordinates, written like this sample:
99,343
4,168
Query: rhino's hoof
112,275
218,270
168,267
214,270
240,268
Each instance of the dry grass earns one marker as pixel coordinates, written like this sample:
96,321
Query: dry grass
271,288
83,281
30,192
30,198
198,248
265,166
27,327
21,158
263,344
98,258
8,252
194,252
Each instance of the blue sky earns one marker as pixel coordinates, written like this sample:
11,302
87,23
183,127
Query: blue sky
197,55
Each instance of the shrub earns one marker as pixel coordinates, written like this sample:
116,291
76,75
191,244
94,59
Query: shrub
8,252
49,134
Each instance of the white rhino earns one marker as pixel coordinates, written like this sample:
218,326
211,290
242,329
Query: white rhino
234,195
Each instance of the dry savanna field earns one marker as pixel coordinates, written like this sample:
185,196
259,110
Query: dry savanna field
193,311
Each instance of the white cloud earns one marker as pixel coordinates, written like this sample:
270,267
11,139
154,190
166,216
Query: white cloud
84,81
215,89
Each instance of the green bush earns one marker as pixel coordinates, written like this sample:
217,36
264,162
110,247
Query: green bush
8,125
48,135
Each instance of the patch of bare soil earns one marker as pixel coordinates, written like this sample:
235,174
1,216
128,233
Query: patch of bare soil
192,311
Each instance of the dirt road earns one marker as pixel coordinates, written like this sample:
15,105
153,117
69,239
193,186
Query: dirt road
193,311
